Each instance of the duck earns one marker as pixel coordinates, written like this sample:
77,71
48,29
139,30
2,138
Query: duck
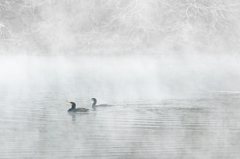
74,109
95,102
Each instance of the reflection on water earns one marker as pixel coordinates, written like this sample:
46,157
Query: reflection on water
34,121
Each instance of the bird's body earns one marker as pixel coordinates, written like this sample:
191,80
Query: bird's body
74,109
101,105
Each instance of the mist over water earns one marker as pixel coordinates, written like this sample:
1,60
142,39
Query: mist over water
170,69
137,76
181,107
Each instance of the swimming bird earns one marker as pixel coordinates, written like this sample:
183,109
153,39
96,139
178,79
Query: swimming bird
95,102
74,109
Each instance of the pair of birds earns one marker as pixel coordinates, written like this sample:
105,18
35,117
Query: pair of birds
74,109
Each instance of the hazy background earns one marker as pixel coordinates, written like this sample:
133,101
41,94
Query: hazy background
119,26
170,68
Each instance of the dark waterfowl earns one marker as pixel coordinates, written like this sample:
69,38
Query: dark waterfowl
95,102
74,109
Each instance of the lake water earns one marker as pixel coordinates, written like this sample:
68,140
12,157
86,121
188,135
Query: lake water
163,107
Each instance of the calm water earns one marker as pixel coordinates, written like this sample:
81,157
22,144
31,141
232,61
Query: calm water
161,109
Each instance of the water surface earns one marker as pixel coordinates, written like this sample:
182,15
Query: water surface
161,109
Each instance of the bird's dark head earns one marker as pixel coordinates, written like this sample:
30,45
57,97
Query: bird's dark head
73,105
94,101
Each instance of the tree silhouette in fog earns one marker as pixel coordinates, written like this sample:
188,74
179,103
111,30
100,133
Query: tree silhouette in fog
95,25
